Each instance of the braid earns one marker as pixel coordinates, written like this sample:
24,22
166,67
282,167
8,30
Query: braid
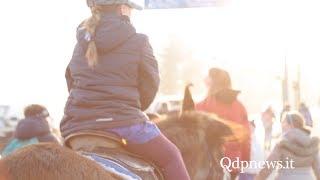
90,25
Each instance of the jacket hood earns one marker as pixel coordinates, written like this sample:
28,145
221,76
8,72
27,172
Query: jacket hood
227,96
31,127
299,143
112,31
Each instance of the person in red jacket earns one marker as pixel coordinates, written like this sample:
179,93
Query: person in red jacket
222,101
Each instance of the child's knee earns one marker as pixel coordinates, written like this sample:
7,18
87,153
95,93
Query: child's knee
173,154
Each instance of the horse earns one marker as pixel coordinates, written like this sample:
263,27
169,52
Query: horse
196,134
199,136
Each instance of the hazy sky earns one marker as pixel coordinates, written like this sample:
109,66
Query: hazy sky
38,36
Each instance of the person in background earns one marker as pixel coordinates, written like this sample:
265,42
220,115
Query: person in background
222,101
286,108
34,128
304,110
296,154
268,118
36,124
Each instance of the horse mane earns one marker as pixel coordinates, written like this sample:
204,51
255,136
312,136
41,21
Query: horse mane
193,126
238,132
195,132
48,161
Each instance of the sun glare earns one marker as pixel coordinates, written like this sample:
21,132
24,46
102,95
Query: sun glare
38,39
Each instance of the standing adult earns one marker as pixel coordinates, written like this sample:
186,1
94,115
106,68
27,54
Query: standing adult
268,118
304,110
222,101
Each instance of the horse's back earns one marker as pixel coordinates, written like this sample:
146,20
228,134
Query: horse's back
108,148
51,161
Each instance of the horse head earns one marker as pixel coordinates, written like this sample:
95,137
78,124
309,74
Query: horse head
199,136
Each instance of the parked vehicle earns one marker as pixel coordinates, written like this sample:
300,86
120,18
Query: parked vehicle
9,117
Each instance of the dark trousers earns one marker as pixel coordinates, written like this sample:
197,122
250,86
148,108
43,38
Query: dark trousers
165,154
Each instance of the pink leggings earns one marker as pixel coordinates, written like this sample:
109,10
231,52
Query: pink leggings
165,154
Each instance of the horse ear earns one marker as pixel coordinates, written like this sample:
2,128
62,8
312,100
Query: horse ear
188,103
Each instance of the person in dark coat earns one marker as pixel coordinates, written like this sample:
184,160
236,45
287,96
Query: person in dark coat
268,118
112,78
34,128
304,110
35,124
222,101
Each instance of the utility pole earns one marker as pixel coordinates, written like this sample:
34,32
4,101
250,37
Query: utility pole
285,90
296,87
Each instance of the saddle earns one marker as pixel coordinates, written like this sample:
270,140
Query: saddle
107,149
